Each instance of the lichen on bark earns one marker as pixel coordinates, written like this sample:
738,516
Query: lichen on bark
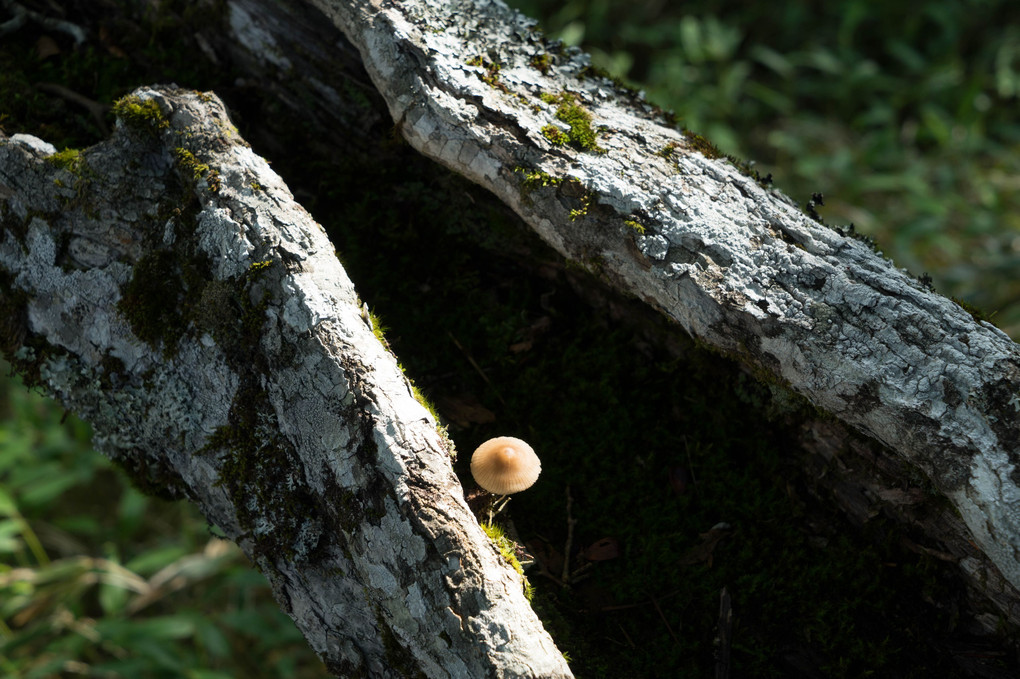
209,334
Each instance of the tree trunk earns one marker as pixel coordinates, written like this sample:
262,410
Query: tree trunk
165,285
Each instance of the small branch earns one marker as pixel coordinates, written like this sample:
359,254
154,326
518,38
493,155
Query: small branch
665,622
725,634
22,14
477,367
571,521
97,110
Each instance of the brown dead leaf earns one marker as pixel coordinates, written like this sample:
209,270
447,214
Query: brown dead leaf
603,550
548,558
521,346
538,327
46,46
901,496
703,553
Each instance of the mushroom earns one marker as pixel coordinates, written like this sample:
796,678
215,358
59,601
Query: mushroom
502,466
505,465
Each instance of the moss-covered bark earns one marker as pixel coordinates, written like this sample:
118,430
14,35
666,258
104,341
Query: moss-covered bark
208,333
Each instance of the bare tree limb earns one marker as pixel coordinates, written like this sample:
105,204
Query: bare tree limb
607,181
165,285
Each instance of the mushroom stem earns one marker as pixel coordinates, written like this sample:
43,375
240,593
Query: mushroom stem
494,510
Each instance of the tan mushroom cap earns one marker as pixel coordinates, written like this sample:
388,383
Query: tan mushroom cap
505,465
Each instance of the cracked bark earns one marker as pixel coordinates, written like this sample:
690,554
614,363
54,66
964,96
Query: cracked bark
165,285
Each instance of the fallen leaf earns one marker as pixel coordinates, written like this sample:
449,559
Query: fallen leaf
46,46
603,550
104,37
703,553
679,480
548,558
541,325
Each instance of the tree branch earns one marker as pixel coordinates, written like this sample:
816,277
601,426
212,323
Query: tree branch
165,285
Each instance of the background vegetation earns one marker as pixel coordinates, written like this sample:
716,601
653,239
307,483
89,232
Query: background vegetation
902,118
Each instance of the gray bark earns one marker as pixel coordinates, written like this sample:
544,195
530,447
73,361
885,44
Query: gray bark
736,264
165,285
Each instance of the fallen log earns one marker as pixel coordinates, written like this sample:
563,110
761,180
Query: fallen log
165,285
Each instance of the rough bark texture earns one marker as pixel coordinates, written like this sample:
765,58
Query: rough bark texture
738,265
165,285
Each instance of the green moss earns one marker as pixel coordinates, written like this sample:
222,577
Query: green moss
150,301
668,151
709,150
68,159
13,224
541,62
142,116
155,478
166,288
581,134
592,72
975,312
635,225
258,472
508,550
535,179
702,145
21,349
195,170
490,76
258,468
400,660
420,398
379,330
555,135
74,162
582,210
187,161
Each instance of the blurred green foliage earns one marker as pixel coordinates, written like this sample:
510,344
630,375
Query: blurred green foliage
904,115
97,579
